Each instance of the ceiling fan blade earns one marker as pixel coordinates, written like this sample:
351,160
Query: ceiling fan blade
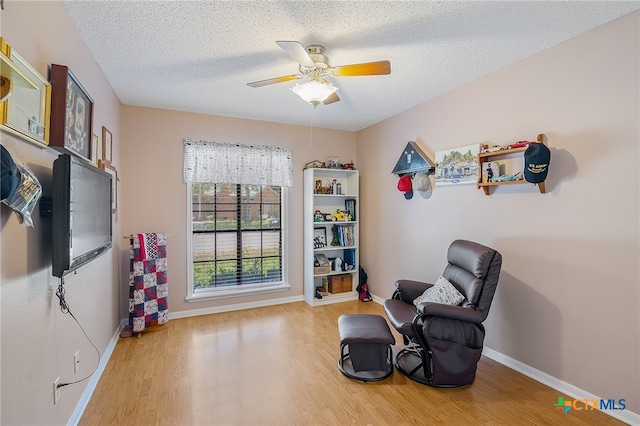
369,68
274,80
331,99
297,52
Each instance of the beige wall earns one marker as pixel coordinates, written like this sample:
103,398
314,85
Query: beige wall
561,249
568,299
38,341
154,195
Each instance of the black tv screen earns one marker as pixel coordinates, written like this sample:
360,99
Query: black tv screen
81,214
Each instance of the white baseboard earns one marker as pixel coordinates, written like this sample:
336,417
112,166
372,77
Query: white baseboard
377,299
626,416
95,378
236,307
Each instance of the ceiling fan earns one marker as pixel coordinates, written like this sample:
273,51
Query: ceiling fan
315,65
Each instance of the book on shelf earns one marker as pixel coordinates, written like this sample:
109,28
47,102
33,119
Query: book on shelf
344,235
349,259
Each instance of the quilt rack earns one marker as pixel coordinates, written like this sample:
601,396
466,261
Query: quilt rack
148,281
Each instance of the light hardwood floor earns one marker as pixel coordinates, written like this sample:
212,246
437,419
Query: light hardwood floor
278,366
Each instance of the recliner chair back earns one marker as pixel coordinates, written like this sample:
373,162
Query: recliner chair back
474,270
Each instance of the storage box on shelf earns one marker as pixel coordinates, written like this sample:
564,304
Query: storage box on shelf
340,283
330,229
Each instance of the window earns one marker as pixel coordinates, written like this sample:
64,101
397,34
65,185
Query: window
236,242
236,231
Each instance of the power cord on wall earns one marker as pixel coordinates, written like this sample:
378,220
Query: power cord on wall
64,307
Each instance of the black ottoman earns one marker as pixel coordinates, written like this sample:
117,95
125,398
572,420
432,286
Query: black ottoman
365,347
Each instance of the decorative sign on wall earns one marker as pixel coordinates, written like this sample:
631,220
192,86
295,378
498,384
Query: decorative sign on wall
413,160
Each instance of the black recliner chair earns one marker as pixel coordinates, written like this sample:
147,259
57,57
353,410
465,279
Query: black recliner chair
443,343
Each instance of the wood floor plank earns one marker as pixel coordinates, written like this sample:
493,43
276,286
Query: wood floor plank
278,365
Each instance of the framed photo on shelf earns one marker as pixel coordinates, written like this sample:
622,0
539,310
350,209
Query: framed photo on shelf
109,168
107,144
491,170
321,260
321,264
95,149
319,237
26,111
71,113
350,207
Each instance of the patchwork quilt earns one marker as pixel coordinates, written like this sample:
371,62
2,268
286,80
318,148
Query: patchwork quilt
148,286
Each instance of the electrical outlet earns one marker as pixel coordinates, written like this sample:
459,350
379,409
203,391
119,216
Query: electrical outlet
56,391
76,362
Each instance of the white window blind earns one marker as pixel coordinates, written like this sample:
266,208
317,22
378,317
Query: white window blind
215,162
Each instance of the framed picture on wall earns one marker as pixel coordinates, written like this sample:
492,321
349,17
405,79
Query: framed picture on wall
26,108
457,166
109,168
71,113
107,145
95,149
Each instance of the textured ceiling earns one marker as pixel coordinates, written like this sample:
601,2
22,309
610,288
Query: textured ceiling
198,55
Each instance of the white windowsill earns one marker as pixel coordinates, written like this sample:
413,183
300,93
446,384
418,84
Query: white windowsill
248,290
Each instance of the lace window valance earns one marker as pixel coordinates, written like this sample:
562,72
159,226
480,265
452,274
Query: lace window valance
214,162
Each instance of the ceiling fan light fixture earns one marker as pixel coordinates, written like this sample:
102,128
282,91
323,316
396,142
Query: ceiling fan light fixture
314,91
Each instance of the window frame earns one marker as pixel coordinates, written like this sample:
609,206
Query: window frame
240,289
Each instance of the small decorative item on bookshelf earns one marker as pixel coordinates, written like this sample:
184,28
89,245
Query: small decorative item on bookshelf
337,264
334,162
319,237
349,166
321,264
340,216
314,164
321,188
350,207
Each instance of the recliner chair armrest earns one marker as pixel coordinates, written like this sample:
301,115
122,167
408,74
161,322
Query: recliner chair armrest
448,311
410,289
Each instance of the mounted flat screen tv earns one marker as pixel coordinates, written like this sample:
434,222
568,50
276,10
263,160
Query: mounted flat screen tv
81,214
